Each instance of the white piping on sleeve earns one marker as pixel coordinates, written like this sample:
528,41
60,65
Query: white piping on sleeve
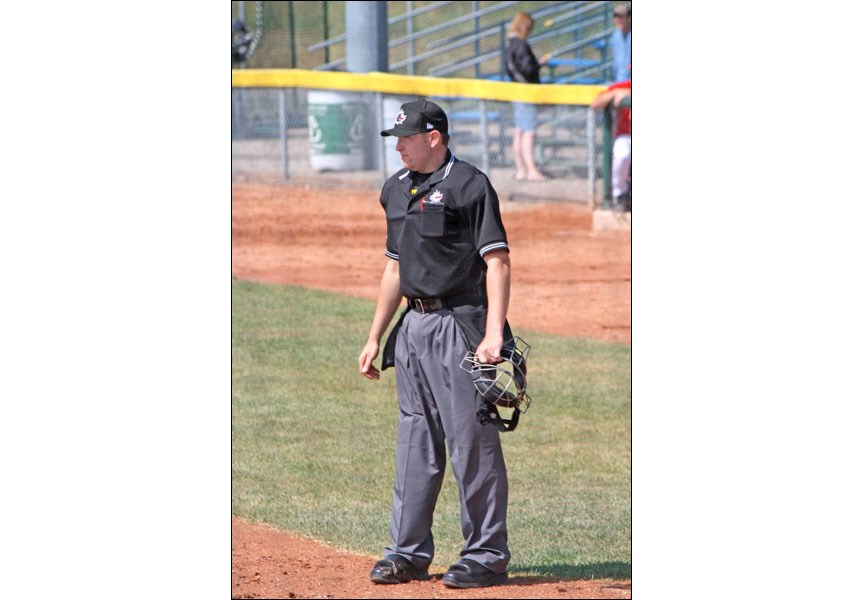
493,246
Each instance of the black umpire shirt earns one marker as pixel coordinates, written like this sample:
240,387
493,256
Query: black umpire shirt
439,229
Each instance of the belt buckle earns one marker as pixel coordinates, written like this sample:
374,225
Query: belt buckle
427,306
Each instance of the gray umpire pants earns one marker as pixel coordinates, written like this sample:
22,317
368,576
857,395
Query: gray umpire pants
437,403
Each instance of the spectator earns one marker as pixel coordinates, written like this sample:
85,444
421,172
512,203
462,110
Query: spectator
522,66
620,41
241,42
621,147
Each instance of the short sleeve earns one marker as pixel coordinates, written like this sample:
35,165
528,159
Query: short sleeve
394,228
489,233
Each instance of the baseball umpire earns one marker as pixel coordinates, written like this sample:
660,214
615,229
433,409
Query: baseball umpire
447,253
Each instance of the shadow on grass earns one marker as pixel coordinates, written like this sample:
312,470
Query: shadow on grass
558,571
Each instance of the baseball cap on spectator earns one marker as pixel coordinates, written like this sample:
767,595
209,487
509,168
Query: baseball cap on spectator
419,116
623,11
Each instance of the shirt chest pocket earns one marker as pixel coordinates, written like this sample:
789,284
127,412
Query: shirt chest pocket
433,219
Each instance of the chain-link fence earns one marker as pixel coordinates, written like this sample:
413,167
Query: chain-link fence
330,137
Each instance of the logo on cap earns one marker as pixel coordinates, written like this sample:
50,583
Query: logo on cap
400,118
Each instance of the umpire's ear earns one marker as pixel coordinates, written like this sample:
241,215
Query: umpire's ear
435,138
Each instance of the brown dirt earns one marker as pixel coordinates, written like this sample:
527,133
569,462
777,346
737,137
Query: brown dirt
567,279
267,563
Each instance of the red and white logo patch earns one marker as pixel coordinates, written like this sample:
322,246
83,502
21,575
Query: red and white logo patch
400,118
436,197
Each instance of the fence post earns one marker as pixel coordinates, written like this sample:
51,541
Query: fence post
293,35
379,126
590,134
283,132
366,37
607,156
608,141
484,137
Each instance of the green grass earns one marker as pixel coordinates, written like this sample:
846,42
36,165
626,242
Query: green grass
313,441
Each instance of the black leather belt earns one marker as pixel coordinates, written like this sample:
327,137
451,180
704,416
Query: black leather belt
426,305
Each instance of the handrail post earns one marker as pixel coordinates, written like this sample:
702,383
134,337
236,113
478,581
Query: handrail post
475,6
409,29
503,49
326,33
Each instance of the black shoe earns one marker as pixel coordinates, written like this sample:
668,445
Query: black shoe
396,569
469,573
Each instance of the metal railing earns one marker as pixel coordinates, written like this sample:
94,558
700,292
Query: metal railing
411,38
600,12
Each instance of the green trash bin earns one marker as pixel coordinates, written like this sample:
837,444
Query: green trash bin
337,130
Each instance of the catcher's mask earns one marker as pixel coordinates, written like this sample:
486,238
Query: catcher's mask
502,386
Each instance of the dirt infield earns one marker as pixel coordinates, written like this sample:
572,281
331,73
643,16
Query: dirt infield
567,279
266,563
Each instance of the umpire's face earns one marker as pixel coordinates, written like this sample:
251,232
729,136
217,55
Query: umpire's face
417,151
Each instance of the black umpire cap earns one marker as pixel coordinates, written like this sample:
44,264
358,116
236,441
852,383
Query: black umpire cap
419,116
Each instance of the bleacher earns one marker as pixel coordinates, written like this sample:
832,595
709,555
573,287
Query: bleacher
449,39
580,31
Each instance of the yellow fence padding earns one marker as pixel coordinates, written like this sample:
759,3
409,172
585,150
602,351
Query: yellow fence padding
389,83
